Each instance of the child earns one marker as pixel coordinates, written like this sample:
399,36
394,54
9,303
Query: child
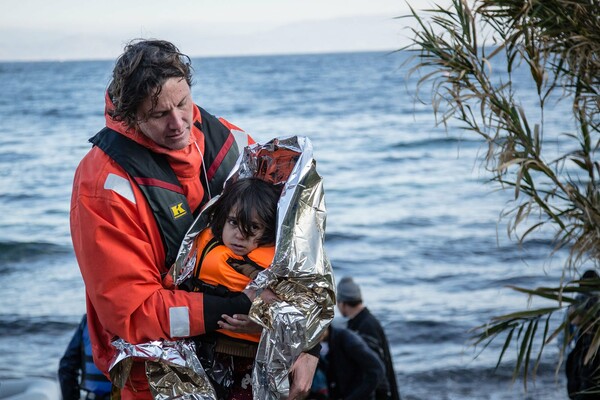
237,245
300,273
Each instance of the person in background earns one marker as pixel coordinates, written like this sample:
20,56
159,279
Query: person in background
319,389
583,378
360,320
157,161
77,371
352,369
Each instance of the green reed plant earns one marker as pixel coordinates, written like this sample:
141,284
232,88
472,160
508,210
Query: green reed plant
558,41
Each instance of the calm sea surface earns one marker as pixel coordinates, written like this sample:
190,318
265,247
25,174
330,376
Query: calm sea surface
410,214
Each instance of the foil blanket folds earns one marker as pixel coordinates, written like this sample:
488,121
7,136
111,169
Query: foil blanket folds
300,275
172,368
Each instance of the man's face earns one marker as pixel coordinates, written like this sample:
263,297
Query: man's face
170,122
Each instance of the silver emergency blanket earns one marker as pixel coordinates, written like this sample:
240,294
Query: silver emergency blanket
300,275
172,368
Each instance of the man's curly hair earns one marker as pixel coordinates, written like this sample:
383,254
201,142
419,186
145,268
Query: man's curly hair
140,72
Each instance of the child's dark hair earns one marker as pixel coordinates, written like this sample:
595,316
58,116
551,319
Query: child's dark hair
249,195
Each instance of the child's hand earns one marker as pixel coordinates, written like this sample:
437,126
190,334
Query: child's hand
239,323
269,296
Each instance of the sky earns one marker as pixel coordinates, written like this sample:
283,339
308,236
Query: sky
33,30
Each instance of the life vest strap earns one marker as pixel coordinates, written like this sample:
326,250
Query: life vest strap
193,284
157,181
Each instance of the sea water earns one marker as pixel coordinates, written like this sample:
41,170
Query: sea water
411,214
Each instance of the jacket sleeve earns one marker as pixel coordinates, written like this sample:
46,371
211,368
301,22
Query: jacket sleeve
121,264
372,367
69,368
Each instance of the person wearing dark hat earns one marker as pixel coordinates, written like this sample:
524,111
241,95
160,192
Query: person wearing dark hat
360,320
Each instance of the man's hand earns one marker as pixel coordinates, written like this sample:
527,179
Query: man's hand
301,376
239,323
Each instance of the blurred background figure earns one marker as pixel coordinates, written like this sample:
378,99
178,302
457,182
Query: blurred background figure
353,371
360,320
77,372
583,376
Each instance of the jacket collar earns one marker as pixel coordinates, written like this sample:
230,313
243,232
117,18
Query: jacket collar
184,161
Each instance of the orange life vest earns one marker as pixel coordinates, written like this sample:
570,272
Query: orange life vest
220,270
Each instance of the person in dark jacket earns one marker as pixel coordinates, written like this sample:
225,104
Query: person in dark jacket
353,370
583,376
350,304
77,371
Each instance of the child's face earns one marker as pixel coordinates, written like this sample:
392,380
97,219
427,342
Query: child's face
235,240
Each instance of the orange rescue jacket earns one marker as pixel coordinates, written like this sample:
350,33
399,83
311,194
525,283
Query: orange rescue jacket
120,251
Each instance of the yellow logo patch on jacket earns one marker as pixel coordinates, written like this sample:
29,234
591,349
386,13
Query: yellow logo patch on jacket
178,211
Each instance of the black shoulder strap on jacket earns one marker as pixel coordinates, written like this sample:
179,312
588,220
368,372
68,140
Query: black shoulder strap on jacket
212,244
195,284
158,183
220,153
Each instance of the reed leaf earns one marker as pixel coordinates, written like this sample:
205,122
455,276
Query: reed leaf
559,42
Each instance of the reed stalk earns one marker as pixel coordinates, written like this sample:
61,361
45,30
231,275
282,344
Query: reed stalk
558,41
